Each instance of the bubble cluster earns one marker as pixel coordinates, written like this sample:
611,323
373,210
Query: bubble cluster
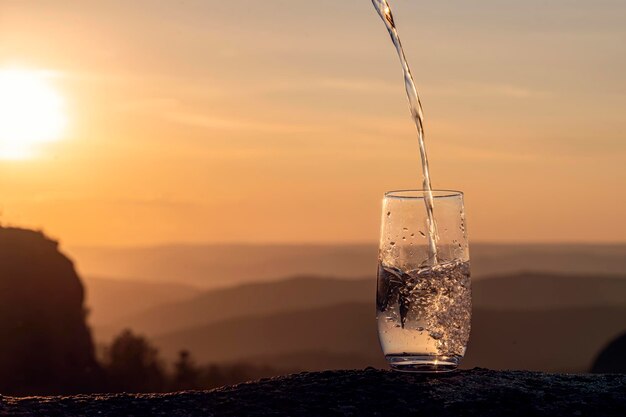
433,302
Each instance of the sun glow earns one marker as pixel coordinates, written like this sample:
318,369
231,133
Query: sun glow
31,112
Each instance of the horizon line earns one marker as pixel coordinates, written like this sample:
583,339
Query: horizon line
330,244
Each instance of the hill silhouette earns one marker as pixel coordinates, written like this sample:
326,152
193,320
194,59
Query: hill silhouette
522,291
529,320
248,299
110,300
557,340
560,340
541,291
228,265
551,321
45,345
612,358
224,265
339,329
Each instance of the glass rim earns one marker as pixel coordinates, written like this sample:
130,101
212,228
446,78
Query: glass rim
419,194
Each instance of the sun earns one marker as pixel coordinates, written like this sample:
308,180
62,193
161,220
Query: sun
32,112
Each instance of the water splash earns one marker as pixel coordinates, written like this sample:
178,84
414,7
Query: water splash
415,106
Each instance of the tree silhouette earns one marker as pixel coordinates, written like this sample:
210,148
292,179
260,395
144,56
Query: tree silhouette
132,364
186,374
46,346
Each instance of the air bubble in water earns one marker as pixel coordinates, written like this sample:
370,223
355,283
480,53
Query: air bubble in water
436,335
433,304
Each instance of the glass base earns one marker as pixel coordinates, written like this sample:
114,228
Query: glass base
423,363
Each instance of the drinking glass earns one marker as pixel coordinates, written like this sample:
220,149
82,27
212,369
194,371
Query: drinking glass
423,297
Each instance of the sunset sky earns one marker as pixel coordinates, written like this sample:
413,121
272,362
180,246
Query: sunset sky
285,121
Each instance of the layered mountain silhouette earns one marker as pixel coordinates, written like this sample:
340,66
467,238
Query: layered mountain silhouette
248,299
522,291
45,345
549,291
561,320
559,340
223,265
347,330
111,300
538,321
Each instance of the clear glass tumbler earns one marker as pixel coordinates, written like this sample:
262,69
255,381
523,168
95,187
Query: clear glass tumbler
423,299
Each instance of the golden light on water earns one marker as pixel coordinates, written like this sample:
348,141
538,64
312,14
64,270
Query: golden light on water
32,112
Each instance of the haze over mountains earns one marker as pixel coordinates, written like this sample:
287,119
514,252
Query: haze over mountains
211,266
255,299
111,300
552,321
560,340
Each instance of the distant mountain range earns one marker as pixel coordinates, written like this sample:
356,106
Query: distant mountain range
549,291
345,329
112,300
541,321
559,341
564,340
255,299
224,265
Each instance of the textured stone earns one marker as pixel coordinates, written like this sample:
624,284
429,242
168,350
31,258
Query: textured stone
370,392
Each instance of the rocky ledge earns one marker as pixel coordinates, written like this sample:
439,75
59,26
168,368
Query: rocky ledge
370,392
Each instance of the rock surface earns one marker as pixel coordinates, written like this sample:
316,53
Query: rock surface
370,392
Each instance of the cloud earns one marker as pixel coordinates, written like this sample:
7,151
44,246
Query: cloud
234,124
486,90
373,85
356,85
153,104
159,201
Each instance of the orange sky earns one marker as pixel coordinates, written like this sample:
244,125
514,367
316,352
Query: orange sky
207,121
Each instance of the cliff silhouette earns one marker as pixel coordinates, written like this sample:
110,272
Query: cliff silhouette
45,344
